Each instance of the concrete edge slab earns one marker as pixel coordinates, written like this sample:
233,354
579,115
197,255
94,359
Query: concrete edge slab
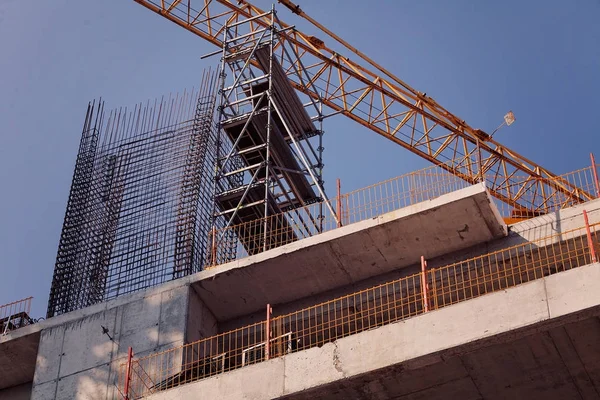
475,322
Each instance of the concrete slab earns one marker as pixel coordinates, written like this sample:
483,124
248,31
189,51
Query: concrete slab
17,360
21,392
502,345
584,291
337,258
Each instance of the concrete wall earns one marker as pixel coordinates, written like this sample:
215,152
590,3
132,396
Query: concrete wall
76,360
21,392
427,339
201,322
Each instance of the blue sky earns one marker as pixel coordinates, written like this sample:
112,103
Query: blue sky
478,59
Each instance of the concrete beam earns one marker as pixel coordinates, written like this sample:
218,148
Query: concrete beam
347,255
17,360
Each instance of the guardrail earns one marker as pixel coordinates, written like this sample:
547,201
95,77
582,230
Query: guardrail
15,315
242,240
357,312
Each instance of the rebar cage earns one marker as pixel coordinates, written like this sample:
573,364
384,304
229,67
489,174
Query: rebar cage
139,208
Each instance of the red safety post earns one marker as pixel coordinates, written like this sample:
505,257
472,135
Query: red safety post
128,372
338,206
268,332
589,237
424,285
595,174
213,247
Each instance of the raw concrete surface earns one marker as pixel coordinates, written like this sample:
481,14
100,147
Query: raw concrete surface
76,360
536,340
20,392
347,255
22,344
554,224
17,360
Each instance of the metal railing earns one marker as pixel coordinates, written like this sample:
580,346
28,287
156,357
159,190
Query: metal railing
15,315
357,312
242,240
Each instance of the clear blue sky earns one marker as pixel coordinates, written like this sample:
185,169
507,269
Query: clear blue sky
477,58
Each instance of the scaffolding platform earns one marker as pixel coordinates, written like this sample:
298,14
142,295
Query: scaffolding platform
252,149
251,209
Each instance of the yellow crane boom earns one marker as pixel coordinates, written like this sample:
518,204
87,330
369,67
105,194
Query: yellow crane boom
386,105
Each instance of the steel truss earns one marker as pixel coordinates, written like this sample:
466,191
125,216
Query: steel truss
271,151
369,94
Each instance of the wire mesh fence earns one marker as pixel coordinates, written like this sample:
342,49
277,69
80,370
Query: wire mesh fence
15,315
238,241
364,310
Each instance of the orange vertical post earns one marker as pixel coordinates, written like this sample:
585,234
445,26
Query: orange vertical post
595,174
268,333
338,206
424,286
589,237
213,247
128,373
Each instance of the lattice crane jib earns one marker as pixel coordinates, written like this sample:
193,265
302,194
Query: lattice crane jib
372,96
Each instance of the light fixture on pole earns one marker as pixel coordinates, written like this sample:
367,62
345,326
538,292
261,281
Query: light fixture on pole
509,118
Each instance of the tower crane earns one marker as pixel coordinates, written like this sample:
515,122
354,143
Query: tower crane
374,97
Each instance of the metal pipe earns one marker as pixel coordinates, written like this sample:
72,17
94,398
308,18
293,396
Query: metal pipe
237,140
424,284
214,246
268,332
339,202
249,81
249,19
244,36
270,105
241,72
306,164
595,172
128,372
589,237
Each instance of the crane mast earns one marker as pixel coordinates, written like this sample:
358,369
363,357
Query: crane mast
372,96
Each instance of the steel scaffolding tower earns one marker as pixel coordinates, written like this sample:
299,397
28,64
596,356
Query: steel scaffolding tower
270,143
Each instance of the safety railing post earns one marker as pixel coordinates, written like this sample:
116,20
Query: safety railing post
338,205
213,247
128,373
595,174
268,332
424,285
589,237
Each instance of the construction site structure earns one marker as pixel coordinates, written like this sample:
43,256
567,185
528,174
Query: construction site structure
200,256
168,188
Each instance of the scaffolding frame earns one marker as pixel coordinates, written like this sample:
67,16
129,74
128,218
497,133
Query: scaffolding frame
269,141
